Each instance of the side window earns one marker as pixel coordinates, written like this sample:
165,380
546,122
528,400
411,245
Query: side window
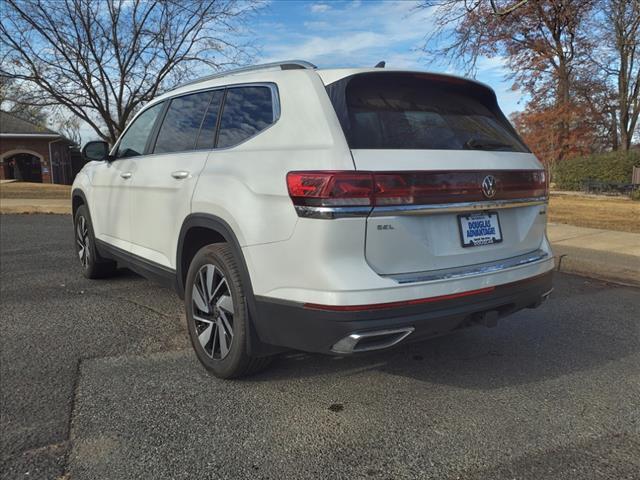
135,138
207,136
181,124
246,111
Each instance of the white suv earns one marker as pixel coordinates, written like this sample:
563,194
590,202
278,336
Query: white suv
333,211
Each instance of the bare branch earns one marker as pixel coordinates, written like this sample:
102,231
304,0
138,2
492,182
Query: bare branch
103,59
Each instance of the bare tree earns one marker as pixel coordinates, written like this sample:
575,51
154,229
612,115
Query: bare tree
69,127
543,42
103,59
498,7
623,22
539,40
17,101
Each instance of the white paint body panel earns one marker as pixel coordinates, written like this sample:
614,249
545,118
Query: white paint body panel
330,262
246,185
110,201
159,202
432,242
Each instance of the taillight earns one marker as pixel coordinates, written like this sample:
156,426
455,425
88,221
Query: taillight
349,188
522,184
330,188
421,188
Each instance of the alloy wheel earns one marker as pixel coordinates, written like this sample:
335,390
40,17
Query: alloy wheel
213,311
82,238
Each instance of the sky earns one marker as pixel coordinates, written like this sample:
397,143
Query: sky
356,33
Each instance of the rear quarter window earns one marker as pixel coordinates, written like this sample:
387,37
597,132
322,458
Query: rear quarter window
246,112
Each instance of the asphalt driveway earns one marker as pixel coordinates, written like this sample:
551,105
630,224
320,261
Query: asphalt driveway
98,381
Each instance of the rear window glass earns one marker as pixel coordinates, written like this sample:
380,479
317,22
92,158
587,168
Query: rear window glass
181,124
246,111
404,111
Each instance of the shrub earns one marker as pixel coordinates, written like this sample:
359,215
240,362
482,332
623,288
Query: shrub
613,167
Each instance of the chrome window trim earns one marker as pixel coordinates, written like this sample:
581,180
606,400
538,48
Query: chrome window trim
470,271
329,213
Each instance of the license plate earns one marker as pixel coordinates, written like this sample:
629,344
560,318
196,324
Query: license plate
479,229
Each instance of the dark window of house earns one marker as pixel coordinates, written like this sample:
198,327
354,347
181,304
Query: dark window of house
182,122
246,111
402,111
207,135
135,138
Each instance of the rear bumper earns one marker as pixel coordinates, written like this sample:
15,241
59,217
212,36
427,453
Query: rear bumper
294,325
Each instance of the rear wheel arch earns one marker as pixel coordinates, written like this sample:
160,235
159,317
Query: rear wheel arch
199,230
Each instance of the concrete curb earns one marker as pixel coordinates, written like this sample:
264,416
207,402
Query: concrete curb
581,262
602,254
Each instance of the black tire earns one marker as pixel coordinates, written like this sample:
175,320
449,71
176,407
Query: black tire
219,324
93,265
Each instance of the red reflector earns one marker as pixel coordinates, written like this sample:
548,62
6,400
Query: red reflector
353,188
405,303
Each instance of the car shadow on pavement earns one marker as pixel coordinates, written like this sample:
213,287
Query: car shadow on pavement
562,337
569,333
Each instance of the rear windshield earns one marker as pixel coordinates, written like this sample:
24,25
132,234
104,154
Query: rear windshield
416,111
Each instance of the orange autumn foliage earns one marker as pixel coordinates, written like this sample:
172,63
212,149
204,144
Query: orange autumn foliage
555,133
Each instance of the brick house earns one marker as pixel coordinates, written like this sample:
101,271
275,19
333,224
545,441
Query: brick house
32,153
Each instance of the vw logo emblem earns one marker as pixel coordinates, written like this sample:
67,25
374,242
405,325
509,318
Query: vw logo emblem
489,186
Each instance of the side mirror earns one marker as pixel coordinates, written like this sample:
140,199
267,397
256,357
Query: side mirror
96,151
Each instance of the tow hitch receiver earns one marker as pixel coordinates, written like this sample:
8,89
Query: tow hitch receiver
489,318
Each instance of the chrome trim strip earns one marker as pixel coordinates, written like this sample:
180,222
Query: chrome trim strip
329,213
456,207
478,269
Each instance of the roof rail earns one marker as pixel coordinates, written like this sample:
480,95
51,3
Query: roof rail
284,65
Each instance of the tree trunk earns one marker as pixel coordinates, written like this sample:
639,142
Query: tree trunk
614,129
562,103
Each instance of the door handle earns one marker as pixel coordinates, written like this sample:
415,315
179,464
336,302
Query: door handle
180,174
125,175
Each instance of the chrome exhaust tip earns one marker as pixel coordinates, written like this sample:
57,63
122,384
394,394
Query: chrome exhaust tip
369,341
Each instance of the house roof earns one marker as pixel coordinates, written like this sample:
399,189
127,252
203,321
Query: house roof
12,125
